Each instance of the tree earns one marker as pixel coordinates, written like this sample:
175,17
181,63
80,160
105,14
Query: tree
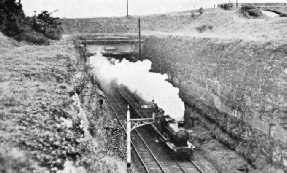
47,25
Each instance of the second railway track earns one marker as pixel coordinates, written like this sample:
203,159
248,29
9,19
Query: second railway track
152,152
150,163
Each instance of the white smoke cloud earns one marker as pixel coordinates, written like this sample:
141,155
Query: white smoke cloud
137,77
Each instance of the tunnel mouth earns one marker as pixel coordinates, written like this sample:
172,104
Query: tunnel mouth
120,57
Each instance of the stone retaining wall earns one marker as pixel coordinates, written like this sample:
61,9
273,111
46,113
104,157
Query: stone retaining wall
240,86
163,22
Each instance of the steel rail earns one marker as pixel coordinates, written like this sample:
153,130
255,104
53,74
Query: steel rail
185,169
130,102
160,165
136,150
181,167
197,167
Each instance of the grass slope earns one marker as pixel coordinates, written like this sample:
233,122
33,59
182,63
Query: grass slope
36,83
33,80
234,25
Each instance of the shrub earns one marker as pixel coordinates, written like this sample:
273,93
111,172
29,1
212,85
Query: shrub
204,28
251,12
247,7
201,10
283,15
35,38
13,23
53,34
11,29
2,19
228,6
47,25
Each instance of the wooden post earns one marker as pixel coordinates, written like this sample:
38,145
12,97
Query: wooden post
140,49
85,50
236,4
127,8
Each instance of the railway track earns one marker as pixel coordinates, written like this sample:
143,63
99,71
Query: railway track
182,165
152,153
147,158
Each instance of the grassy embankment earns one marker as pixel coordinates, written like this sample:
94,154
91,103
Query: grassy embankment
40,123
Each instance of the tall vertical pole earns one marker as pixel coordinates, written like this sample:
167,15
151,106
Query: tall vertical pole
85,50
128,139
127,8
140,48
236,4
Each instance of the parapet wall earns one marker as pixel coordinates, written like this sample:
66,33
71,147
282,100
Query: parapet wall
240,86
166,23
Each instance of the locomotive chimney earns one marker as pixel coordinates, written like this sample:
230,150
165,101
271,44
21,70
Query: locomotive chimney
180,124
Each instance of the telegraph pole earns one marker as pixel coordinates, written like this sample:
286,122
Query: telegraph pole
140,49
127,8
236,4
131,125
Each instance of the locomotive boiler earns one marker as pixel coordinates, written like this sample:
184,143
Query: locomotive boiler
171,132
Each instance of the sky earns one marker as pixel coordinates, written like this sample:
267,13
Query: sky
109,8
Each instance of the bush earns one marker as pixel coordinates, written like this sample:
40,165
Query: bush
283,15
35,38
251,12
2,19
37,30
54,35
200,10
228,6
47,25
204,28
11,29
247,7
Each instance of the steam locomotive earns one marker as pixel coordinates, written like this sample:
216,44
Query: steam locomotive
171,132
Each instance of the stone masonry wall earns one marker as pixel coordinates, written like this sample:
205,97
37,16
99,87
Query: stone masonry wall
240,86
163,22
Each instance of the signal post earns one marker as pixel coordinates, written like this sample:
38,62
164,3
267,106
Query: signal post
131,125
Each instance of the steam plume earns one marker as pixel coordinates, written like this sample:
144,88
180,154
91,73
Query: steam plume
137,77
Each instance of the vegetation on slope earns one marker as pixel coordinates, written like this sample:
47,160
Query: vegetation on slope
251,12
38,29
39,117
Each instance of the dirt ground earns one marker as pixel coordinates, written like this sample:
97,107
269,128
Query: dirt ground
234,26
